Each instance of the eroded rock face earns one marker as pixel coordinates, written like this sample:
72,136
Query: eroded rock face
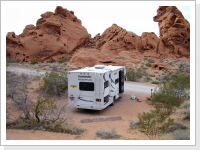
174,30
118,46
57,33
60,34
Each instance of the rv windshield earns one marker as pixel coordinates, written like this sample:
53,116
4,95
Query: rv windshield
86,86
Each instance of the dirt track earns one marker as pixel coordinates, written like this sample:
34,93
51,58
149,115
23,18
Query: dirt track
117,116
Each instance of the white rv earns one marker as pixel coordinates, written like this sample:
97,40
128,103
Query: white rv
95,87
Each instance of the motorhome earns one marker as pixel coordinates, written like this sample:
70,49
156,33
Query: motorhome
95,87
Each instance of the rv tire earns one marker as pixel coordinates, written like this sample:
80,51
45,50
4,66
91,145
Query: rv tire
113,103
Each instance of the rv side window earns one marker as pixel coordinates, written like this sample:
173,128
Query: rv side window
86,86
116,81
105,84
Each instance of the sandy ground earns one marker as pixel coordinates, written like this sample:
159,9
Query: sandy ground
123,111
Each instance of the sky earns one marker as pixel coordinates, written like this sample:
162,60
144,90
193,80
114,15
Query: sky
96,16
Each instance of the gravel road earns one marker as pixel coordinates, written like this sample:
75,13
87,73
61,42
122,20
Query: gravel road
139,87
27,71
129,86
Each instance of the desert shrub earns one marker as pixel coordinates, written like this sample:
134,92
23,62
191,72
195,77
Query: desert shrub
55,83
166,96
51,61
44,110
176,126
151,75
134,124
154,123
151,61
181,135
135,74
109,133
70,129
148,64
25,124
63,60
183,68
166,99
172,92
16,89
162,78
32,124
180,83
155,82
11,60
147,79
33,62
61,127
156,72
46,117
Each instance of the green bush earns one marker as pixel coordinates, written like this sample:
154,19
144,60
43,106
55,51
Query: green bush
62,128
25,124
148,64
109,133
52,126
180,83
135,74
147,79
33,62
166,99
55,83
154,123
44,109
152,75
67,59
155,82
166,96
172,92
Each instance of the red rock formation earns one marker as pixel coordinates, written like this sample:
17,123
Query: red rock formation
60,34
57,33
174,30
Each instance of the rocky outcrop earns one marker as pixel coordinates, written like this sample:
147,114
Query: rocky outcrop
60,34
55,34
174,30
116,46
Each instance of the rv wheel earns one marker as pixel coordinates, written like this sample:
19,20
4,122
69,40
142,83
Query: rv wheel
113,103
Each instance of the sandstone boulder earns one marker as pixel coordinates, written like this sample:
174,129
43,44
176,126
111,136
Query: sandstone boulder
57,33
174,30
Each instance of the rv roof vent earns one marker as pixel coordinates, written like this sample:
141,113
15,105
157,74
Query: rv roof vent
99,66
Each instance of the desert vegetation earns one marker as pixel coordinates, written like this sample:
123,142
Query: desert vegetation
171,95
109,133
170,100
42,114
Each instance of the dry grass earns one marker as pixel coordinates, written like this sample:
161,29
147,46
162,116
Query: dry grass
109,133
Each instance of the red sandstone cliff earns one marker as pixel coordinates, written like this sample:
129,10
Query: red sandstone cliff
61,34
